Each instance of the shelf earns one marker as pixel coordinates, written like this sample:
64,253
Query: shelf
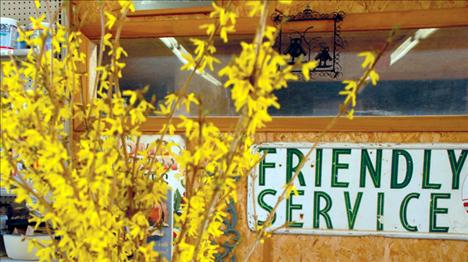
7,259
5,193
4,54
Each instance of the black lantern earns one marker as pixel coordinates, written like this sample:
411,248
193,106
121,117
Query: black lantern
308,47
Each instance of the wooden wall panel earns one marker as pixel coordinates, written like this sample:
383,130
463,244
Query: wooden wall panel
321,248
90,8
370,6
168,22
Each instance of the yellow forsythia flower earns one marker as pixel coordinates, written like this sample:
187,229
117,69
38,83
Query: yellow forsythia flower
110,19
369,59
307,67
374,76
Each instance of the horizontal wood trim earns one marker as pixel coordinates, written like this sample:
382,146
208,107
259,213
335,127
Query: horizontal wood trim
173,11
142,25
358,124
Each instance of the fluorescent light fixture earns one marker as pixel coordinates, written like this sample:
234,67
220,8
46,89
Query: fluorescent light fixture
410,43
424,33
179,51
159,4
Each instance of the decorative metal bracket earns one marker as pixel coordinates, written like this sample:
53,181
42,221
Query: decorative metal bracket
325,50
233,238
232,234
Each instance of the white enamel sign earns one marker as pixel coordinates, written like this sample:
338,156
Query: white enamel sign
400,190
172,177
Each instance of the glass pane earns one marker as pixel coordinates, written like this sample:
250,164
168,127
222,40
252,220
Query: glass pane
424,72
390,97
424,77
156,63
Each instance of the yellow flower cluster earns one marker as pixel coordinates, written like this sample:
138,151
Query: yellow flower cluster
252,78
352,86
215,161
93,196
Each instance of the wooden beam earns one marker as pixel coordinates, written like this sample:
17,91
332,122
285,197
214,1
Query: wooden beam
141,27
200,10
358,124
151,26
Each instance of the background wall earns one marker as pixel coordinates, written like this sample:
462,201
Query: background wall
356,6
326,248
87,12
321,248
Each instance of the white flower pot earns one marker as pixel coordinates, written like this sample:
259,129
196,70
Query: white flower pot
16,246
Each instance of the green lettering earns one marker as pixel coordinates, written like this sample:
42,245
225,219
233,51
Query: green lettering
380,211
426,184
352,211
322,212
434,210
264,205
264,165
409,168
456,166
336,165
290,170
289,208
366,163
318,167
403,208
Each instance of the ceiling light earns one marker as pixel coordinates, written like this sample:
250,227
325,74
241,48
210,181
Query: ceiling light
410,43
179,51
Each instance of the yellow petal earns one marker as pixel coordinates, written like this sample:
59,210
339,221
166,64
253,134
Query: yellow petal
306,68
369,59
351,114
110,19
374,76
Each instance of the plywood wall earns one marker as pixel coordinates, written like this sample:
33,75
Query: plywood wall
321,248
88,11
356,6
369,6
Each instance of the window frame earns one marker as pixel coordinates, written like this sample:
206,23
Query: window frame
140,25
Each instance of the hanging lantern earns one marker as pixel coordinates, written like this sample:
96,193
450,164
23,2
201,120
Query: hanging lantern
309,46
